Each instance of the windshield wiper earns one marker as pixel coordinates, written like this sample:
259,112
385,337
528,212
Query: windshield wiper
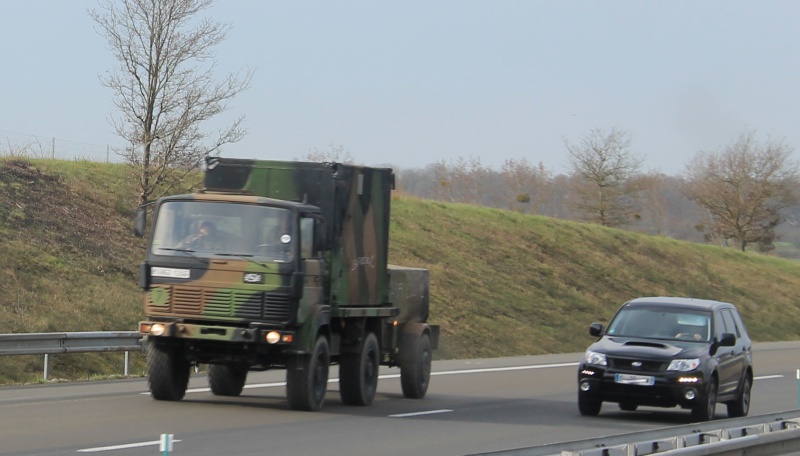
243,256
189,252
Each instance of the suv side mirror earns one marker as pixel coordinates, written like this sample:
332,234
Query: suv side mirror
727,340
596,329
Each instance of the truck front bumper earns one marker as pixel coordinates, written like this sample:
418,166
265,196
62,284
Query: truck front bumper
153,329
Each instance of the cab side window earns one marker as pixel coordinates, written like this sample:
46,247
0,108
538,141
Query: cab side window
307,237
730,323
719,325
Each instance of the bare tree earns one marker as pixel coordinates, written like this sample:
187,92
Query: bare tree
164,87
745,188
335,153
525,186
601,170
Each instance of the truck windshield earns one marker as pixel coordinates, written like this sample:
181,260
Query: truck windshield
205,229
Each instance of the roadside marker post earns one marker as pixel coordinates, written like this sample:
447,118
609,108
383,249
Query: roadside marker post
165,444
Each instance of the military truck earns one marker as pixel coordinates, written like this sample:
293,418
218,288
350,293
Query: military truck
282,265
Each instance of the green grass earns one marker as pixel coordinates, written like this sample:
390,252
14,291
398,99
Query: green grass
502,283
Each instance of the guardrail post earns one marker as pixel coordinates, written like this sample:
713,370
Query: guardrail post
127,362
46,362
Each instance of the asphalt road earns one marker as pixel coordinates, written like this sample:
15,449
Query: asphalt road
472,406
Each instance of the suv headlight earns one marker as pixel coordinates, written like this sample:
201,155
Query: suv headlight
684,365
592,357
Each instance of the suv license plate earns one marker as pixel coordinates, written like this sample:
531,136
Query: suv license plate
630,379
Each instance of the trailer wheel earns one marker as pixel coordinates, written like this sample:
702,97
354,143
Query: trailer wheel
167,372
358,373
227,380
415,370
307,378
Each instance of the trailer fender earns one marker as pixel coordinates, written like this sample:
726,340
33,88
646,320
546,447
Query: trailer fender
411,332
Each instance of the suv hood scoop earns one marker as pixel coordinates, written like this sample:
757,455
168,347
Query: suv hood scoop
641,343
623,346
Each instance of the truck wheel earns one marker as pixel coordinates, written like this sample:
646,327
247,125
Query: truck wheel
415,370
227,380
167,372
358,373
307,378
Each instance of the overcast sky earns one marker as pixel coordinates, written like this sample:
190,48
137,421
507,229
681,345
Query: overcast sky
412,83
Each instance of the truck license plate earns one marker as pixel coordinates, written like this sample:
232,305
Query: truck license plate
630,379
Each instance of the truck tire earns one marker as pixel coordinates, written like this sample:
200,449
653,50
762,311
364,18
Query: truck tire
227,380
307,378
167,372
415,369
358,373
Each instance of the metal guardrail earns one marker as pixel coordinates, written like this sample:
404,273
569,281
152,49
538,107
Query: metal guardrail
772,434
71,342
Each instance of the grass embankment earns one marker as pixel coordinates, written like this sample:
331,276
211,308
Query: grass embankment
502,283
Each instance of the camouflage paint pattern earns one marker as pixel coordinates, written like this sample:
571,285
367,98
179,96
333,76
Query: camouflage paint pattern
355,202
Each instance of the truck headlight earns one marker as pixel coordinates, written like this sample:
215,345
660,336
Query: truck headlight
158,329
273,337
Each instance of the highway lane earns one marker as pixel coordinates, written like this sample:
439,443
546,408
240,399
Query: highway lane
472,406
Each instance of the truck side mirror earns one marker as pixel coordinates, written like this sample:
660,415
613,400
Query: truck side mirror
595,329
141,220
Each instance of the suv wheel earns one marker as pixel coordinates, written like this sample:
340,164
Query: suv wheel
628,406
588,406
705,410
741,406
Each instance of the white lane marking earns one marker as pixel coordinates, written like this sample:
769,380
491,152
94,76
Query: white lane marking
453,372
767,377
429,412
503,369
122,447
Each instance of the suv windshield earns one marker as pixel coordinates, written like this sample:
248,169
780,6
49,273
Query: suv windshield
661,323
205,229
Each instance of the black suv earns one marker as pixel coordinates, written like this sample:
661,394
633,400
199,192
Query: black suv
668,352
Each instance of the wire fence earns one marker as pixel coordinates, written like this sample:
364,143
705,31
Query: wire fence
39,146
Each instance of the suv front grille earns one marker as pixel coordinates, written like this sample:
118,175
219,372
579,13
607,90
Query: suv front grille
625,364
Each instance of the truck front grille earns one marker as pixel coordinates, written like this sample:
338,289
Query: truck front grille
215,302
